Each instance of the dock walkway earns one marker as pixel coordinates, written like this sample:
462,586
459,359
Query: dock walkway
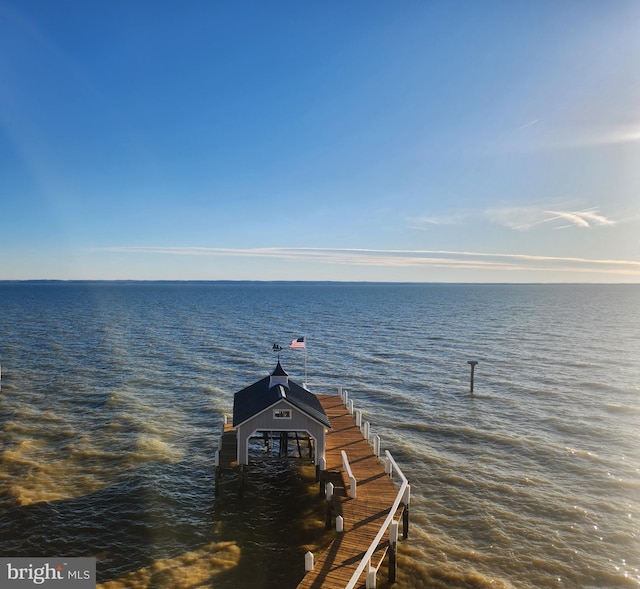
364,515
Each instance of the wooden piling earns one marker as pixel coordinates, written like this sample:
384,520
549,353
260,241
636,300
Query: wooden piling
405,522
405,514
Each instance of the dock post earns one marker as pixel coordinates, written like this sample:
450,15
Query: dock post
376,445
329,491
359,417
405,514
353,487
393,548
473,367
339,523
308,561
370,582
329,498
367,430
320,467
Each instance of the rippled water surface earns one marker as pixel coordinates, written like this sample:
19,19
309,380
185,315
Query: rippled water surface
113,394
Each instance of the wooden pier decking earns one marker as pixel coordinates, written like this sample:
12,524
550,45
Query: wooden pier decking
363,516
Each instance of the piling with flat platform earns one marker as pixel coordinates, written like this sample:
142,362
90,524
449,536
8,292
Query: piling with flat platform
473,364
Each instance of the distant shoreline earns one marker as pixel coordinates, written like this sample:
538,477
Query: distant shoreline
54,281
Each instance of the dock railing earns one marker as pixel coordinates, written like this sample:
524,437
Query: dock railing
401,497
352,480
331,386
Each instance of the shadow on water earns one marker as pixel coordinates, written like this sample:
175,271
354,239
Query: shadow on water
164,528
125,525
278,518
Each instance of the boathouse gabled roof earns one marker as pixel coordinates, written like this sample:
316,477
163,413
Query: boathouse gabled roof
266,392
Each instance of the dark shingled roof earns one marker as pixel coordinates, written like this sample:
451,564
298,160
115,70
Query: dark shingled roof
258,397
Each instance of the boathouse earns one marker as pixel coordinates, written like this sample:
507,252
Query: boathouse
275,407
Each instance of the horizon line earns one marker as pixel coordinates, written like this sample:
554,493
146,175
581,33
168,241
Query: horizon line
304,281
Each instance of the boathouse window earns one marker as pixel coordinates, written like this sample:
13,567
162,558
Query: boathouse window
282,413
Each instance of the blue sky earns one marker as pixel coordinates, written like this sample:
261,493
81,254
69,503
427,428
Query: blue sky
398,141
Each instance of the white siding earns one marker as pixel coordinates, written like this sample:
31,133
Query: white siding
264,421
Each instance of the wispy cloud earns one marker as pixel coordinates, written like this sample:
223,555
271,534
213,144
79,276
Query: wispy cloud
580,218
427,222
525,218
405,258
529,124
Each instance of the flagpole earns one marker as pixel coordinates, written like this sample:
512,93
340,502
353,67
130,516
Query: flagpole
297,344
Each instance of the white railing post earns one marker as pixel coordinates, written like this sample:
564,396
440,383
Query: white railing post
406,498
353,484
393,551
367,430
376,445
393,532
390,466
370,582
350,406
359,417
405,514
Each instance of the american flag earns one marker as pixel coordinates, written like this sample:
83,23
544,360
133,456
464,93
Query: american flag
298,344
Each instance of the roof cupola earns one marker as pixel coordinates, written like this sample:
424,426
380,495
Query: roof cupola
279,377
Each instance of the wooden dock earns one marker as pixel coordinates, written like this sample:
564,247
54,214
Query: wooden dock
365,517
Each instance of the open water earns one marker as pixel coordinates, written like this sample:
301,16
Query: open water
113,395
